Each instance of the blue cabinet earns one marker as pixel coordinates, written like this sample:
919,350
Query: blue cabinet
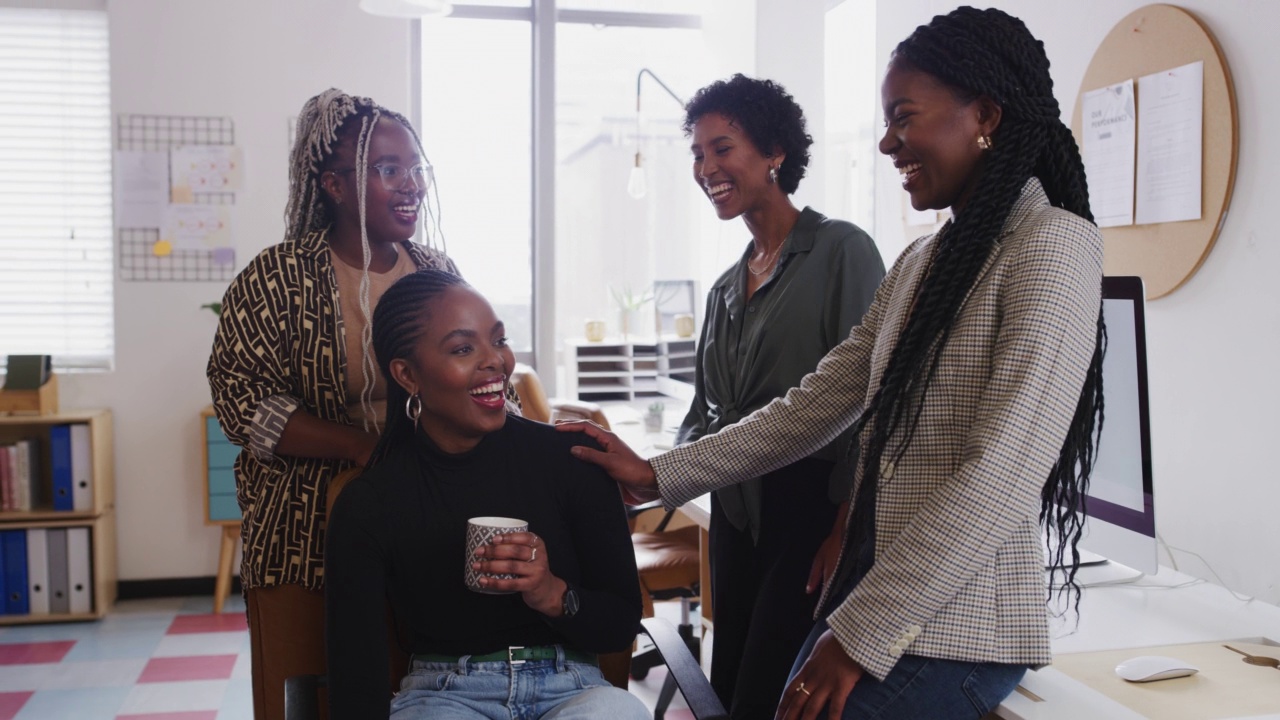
220,481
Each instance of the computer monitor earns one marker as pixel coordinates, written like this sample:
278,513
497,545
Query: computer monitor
1120,522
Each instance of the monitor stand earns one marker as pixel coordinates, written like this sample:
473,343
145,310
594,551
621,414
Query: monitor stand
1086,557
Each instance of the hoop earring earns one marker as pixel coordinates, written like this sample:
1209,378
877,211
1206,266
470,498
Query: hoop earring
984,142
413,408
773,175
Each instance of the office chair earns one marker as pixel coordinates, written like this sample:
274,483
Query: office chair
302,692
669,564
536,406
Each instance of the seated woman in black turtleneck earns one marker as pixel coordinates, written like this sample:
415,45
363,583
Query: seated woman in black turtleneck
450,452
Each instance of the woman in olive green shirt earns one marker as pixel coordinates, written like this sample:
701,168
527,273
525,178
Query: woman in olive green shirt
801,284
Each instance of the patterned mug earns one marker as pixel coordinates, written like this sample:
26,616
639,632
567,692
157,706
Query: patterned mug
480,531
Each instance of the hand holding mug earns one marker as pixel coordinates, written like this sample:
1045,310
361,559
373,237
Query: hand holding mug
517,562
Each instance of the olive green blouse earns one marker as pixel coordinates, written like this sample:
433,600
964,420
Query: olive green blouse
754,350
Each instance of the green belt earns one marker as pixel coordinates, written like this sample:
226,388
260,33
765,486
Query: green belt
513,655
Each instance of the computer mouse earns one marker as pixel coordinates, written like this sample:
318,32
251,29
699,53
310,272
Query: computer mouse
1147,668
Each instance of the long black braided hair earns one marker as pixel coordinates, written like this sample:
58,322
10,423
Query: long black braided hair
399,322
975,53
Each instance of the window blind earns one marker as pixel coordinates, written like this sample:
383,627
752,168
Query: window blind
56,267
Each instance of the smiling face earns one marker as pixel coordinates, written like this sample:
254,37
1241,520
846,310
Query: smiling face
932,135
391,214
730,169
460,366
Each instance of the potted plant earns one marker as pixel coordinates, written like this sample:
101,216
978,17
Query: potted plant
629,303
653,418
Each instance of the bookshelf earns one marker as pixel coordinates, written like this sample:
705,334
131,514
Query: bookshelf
96,521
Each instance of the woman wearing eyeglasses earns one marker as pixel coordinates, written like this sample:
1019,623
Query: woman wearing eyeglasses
292,371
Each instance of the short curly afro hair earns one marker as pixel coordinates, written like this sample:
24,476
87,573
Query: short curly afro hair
768,114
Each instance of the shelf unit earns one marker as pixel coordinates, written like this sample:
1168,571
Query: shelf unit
616,369
678,359
100,519
220,504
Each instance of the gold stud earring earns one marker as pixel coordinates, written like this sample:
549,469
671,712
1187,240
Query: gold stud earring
984,142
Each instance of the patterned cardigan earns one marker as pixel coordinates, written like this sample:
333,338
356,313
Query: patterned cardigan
280,348
958,570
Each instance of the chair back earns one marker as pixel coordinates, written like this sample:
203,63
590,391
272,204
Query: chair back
533,398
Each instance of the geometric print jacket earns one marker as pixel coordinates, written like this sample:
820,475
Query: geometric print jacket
280,348
958,571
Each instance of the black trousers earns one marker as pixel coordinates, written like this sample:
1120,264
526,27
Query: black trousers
762,613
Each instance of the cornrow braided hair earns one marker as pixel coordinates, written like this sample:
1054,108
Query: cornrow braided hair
398,324
326,121
767,113
988,52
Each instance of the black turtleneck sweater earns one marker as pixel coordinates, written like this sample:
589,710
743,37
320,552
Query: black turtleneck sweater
398,532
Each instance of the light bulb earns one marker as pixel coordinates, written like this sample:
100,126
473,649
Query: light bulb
635,183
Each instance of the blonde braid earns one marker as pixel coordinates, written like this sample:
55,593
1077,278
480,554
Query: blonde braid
368,369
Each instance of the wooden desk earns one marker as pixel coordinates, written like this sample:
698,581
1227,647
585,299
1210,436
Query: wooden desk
1144,614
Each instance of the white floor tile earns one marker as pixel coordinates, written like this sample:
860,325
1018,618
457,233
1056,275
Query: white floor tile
95,674
188,644
174,697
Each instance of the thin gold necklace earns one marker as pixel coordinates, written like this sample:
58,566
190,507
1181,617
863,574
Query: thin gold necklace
769,260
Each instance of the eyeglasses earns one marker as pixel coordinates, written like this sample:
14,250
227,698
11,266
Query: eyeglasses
395,176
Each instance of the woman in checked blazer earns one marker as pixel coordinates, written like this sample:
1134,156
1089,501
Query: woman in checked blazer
973,385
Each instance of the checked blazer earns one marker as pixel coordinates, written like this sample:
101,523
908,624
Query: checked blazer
958,570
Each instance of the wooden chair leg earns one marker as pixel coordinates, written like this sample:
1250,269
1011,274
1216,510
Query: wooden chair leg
222,588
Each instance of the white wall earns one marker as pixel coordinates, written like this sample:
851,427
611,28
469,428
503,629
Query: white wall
256,62
1212,343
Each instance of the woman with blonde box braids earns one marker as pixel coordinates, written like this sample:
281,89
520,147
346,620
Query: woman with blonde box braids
295,326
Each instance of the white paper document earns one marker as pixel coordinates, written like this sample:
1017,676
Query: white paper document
1110,128
196,227
205,168
1170,118
141,188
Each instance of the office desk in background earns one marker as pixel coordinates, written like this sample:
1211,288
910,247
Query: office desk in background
1149,613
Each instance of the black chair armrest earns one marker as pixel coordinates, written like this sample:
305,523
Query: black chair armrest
302,697
635,510
694,686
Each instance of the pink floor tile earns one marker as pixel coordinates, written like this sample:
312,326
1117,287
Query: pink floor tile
34,653
200,667
679,714
196,715
213,622
12,702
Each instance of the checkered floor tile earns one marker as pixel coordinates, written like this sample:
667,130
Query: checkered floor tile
164,659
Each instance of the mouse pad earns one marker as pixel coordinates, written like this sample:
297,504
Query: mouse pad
1225,687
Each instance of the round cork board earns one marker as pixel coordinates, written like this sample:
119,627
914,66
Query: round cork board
1147,41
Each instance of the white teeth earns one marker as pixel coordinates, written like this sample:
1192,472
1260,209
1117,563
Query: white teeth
494,387
720,189
908,169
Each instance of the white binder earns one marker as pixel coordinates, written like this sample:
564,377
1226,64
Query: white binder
81,469
79,575
38,570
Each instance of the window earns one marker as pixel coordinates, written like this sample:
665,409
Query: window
55,188
479,142
853,105
493,184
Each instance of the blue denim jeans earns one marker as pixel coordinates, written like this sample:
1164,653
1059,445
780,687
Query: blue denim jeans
534,690
919,688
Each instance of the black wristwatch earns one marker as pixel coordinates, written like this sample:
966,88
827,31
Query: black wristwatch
569,603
